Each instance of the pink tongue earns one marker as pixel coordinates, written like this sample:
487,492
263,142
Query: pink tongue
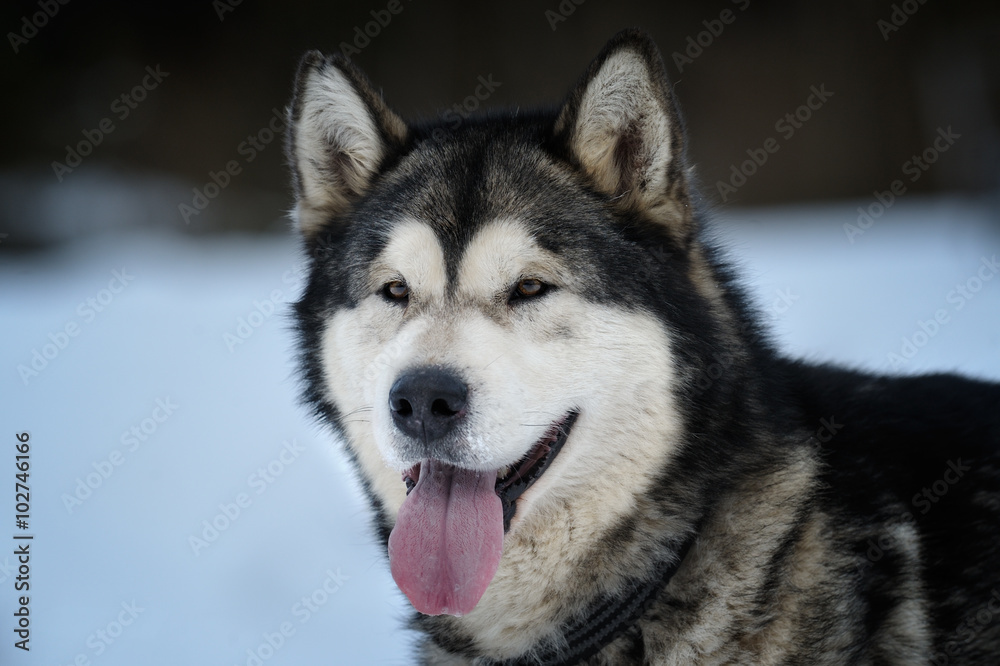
448,539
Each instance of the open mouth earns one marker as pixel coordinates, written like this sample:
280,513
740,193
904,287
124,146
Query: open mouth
514,480
521,476
448,539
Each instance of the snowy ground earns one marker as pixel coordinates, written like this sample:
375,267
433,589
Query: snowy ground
117,576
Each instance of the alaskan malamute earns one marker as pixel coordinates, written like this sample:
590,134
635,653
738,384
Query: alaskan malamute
578,443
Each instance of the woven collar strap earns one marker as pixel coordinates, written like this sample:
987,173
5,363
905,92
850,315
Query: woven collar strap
607,619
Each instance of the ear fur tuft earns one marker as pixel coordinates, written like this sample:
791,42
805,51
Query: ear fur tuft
622,129
340,133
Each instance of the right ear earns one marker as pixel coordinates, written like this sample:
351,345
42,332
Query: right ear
621,127
340,133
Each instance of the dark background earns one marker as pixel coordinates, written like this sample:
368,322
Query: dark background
194,289
891,93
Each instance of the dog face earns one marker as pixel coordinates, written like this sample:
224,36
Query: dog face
482,324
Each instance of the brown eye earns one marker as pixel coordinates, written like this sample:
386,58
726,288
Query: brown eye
529,287
396,290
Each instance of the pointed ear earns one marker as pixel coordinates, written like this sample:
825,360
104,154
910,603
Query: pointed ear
340,133
622,129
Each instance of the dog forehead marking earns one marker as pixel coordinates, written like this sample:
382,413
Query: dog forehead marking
414,254
496,256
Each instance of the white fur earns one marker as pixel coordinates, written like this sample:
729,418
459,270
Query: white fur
526,366
363,347
414,255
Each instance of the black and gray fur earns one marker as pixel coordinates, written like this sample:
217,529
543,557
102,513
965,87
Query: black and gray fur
811,496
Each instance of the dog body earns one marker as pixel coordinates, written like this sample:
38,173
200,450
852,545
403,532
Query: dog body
578,444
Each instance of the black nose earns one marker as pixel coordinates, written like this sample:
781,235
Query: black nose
427,402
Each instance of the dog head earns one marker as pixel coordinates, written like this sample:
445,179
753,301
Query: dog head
488,319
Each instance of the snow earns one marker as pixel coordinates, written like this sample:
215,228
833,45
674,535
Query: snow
217,415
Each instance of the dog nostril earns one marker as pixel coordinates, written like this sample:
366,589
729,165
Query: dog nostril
440,407
427,403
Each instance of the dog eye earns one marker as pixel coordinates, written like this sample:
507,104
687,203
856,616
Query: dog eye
528,288
397,290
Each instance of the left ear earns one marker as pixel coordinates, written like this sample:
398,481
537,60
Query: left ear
621,126
340,135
